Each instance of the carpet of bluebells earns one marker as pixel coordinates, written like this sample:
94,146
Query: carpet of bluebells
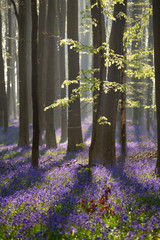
47,203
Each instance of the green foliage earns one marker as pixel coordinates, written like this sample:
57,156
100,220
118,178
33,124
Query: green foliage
150,107
137,62
83,146
77,46
59,102
115,86
136,25
68,82
132,104
103,120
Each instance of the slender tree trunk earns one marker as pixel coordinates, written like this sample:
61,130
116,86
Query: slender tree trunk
57,84
149,81
35,142
85,39
11,77
123,117
102,149
13,74
23,84
62,20
9,59
156,29
42,63
74,114
51,73
29,59
17,67
137,83
3,96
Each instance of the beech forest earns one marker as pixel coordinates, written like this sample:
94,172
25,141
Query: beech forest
79,119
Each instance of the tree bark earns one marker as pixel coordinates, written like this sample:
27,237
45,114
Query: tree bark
51,73
11,49
123,117
102,149
3,96
23,84
57,84
85,63
156,30
149,81
98,38
35,141
13,74
74,114
29,59
137,83
9,58
62,20
42,63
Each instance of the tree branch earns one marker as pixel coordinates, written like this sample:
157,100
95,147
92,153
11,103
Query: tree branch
15,10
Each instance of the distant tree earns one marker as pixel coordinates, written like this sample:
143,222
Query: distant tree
137,83
28,59
21,16
74,114
35,141
42,63
23,84
123,116
11,55
102,149
156,30
149,80
62,21
85,38
13,72
57,83
51,73
3,96
9,27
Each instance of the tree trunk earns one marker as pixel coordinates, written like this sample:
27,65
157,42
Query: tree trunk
11,77
17,68
9,58
13,74
57,84
98,38
42,63
23,84
85,63
74,114
51,73
137,83
62,20
29,59
123,117
35,141
156,29
149,81
102,149
3,96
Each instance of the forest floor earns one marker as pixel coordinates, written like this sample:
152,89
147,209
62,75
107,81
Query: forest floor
61,200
